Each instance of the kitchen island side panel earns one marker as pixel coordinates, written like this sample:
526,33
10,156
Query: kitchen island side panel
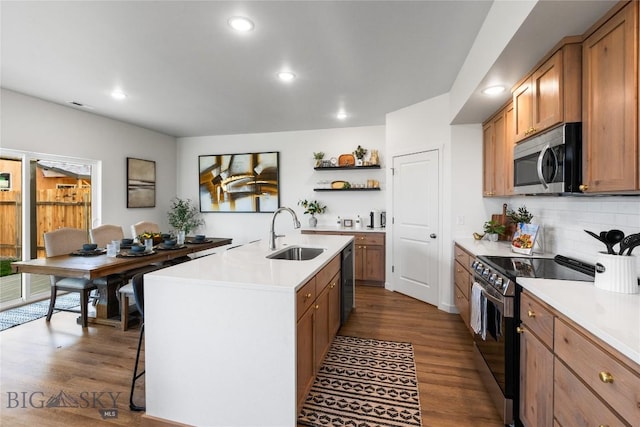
219,355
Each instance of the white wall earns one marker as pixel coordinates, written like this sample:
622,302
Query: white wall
297,176
33,125
565,218
422,127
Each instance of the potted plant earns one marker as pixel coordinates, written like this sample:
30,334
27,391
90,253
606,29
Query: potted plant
312,207
493,229
184,217
318,156
359,153
522,215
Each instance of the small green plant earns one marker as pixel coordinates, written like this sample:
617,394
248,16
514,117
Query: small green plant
493,227
312,206
318,156
184,216
360,152
521,215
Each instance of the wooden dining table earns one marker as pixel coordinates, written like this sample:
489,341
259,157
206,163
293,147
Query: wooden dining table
102,266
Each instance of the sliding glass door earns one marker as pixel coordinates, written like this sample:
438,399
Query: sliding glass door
38,194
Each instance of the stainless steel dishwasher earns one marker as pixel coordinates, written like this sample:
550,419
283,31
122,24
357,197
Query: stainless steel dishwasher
347,297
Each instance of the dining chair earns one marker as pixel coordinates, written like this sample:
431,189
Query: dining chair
137,283
105,234
62,242
142,226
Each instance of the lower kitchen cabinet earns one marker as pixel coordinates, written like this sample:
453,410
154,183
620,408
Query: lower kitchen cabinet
463,279
318,311
536,363
568,377
369,255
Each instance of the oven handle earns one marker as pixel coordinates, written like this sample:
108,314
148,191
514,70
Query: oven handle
493,299
539,166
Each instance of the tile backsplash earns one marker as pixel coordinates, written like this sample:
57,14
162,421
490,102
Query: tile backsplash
564,220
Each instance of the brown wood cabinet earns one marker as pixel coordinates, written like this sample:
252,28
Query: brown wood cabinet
536,363
497,153
610,108
463,279
369,255
551,94
568,377
317,303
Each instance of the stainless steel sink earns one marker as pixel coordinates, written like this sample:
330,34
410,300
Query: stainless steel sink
296,253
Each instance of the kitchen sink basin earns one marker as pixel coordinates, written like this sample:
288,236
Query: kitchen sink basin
296,253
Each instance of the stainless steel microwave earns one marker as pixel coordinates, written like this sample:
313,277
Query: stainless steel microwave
549,163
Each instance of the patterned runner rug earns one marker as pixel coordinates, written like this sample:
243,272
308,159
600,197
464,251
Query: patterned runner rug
364,383
27,313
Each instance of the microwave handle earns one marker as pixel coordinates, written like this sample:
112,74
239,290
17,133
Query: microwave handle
539,167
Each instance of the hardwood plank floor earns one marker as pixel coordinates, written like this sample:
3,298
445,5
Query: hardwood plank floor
39,360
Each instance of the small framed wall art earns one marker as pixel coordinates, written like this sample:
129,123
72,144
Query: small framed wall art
141,183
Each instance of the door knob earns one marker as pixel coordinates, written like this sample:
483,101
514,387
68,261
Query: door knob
433,235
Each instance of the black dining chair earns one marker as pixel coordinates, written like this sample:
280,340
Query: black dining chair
138,293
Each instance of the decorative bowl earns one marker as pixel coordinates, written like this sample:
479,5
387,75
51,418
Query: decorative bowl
199,237
89,247
170,243
137,248
126,242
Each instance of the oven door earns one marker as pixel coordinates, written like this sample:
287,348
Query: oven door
496,341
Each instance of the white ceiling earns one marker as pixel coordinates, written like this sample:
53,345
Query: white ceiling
187,73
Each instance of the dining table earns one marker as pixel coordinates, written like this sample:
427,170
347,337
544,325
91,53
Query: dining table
115,269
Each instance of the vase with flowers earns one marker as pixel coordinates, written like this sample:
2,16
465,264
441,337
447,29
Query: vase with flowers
312,207
360,153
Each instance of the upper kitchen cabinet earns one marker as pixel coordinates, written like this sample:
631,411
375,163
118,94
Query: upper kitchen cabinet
610,109
498,153
551,94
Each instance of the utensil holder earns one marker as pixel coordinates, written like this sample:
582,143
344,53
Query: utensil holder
616,273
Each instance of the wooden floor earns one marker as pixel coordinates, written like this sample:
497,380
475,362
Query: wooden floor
40,360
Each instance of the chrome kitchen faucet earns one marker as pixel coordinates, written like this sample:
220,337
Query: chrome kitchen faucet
272,233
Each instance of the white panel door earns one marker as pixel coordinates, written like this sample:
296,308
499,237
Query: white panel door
416,203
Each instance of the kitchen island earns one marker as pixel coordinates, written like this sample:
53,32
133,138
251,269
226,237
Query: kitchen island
220,344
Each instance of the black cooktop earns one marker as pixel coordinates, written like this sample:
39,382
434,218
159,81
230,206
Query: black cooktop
560,267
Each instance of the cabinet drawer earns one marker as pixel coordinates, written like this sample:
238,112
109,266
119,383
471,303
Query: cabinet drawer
575,405
537,319
305,297
593,365
463,258
461,278
368,238
324,276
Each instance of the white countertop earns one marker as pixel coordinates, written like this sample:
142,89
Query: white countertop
247,266
345,229
613,317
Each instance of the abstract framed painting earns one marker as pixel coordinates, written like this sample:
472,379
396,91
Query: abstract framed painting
246,182
141,183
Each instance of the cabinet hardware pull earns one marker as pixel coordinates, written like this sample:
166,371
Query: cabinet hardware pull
605,377
333,285
317,306
531,313
364,247
603,425
307,296
520,330
583,187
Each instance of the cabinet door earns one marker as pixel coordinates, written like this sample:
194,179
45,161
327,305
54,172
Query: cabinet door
536,381
547,96
334,306
523,110
321,338
610,106
359,262
509,142
488,159
304,347
373,268
499,149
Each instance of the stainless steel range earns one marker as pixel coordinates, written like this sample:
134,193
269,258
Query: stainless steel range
496,304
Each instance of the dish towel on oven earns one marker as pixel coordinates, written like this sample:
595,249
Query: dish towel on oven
478,311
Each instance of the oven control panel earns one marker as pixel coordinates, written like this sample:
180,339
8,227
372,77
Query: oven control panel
493,278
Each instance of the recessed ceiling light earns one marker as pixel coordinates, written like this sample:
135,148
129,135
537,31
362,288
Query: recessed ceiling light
240,23
286,76
341,115
493,90
118,94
